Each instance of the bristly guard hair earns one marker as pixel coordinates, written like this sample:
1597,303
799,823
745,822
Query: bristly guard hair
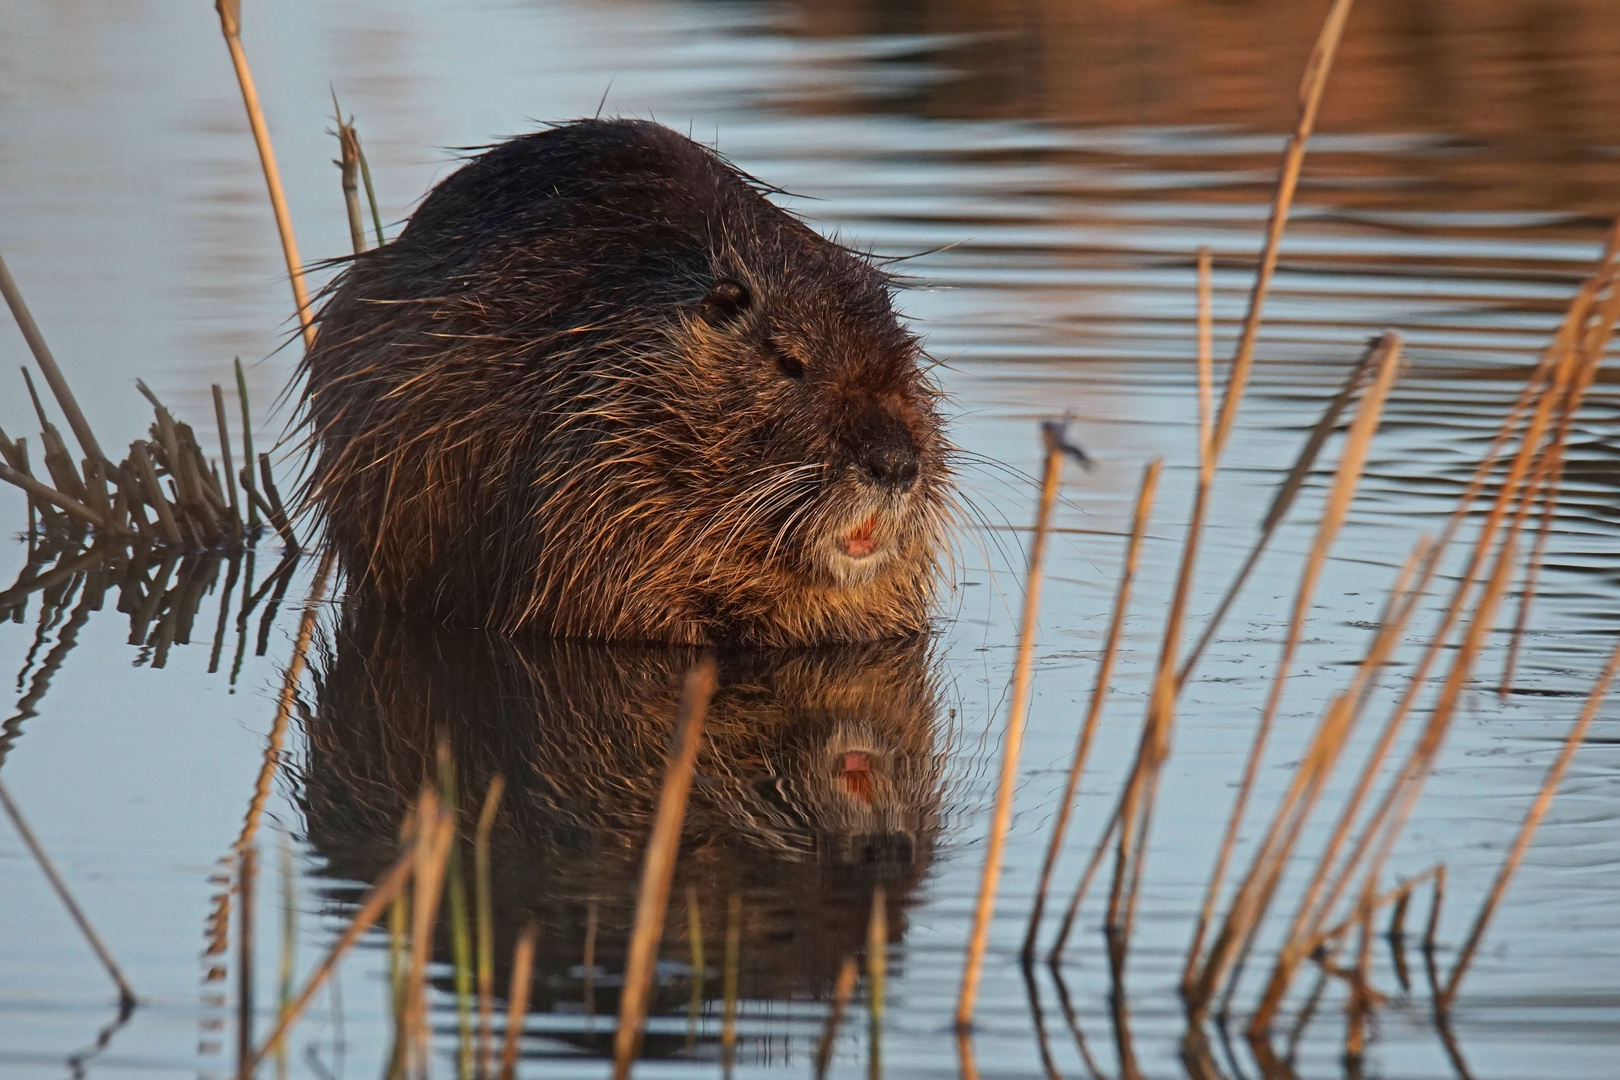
601,387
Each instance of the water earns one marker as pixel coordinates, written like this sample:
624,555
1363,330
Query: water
1058,165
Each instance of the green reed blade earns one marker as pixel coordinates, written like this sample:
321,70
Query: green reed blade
460,934
694,931
247,447
728,1030
485,921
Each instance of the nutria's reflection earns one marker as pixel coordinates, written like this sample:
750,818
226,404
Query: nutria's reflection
819,778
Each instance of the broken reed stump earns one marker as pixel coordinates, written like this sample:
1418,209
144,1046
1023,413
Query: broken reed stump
195,507
166,493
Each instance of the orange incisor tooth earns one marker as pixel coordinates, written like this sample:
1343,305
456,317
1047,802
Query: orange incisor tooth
859,543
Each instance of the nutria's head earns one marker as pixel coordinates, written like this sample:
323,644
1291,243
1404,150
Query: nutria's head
600,386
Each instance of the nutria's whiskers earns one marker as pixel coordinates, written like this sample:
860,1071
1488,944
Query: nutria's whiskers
601,387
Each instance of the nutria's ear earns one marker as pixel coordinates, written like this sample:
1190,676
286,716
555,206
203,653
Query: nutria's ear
725,301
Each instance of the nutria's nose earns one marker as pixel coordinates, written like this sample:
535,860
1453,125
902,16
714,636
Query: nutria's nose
887,456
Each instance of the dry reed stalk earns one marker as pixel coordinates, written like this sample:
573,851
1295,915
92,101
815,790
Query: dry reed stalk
728,1025
41,491
276,512
1017,713
455,896
1129,861
1362,998
877,979
48,366
1307,1010
483,904
1559,377
1400,896
1311,87
969,1065
1431,933
438,831
411,837
694,944
284,703
518,998
15,458
126,996
842,991
146,476
1402,605
377,900
348,164
1130,824
1399,607
1248,905
1283,500
1083,886
1206,351
1037,1016
1549,495
1386,356
658,869
1389,821
1314,909
199,501
1099,693
1137,800
58,461
230,24
1072,1020
129,494
247,867
1590,357
95,484
1527,831
399,921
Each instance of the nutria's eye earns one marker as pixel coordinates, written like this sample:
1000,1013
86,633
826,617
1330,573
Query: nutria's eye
725,301
790,365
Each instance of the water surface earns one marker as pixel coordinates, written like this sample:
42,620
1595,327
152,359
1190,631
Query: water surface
1053,167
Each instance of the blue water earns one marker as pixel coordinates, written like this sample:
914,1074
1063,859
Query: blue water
1056,227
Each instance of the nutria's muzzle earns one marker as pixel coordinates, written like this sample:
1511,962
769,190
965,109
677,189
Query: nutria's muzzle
885,452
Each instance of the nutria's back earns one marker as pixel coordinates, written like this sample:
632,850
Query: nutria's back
601,387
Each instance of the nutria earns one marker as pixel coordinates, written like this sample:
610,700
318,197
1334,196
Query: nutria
601,387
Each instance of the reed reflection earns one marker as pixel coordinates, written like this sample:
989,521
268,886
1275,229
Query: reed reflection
1505,86
820,777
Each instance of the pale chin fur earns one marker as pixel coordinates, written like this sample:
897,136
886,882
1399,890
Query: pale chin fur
847,571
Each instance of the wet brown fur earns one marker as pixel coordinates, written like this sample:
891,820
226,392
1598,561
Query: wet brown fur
541,408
